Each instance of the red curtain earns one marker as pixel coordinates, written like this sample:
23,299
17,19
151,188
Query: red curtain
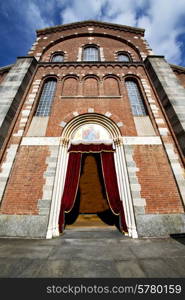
110,180
91,148
70,187
73,176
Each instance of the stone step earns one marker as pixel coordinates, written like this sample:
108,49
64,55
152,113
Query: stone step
92,233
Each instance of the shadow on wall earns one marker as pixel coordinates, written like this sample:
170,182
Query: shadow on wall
179,237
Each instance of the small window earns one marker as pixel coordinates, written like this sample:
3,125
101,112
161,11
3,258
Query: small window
90,54
58,57
46,98
123,57
135,97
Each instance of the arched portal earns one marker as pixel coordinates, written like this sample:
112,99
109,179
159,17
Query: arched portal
91,128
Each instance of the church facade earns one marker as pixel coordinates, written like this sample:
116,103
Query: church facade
92,122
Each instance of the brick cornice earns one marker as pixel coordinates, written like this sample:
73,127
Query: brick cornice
90,63
105,25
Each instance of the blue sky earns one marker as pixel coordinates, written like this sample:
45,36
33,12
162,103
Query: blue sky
163,20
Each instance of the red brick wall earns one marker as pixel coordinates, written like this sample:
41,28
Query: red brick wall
25,185
71,47
157,182
111,87
70,87
63,108
71,39
90,87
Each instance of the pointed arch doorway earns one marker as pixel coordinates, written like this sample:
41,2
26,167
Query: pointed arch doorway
91,133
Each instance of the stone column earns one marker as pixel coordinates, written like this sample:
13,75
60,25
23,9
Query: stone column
102,58
171,94
11,91
53,229
79,57
124,187
172,97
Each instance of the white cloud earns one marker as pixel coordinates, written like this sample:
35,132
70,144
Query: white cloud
77,10
28,14
161,19
163,26
33,17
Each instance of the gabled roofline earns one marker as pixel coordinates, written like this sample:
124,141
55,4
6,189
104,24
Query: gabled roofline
90,23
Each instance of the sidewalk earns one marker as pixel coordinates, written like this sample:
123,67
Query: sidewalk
95,253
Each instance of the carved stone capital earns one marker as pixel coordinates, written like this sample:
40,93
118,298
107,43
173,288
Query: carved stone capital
64,142
118,141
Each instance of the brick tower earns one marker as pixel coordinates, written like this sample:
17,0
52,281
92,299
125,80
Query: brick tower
91,83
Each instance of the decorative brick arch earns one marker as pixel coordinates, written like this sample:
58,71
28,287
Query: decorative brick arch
110,36
94,118
46,76
63,78
90,85
127,53
113,87
91,111
70,85
56,53
132,76
90,76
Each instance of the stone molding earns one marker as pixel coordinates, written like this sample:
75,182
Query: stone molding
40,141
141,140
125,140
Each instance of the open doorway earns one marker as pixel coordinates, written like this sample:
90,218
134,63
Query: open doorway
91,207
91,186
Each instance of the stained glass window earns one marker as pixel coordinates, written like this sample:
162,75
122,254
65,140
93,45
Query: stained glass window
135,98
46,98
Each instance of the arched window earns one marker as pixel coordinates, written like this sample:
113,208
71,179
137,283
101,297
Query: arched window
135,97
46,97
123,57
90,53
58,57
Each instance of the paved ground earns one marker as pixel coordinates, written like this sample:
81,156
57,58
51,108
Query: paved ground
103,253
